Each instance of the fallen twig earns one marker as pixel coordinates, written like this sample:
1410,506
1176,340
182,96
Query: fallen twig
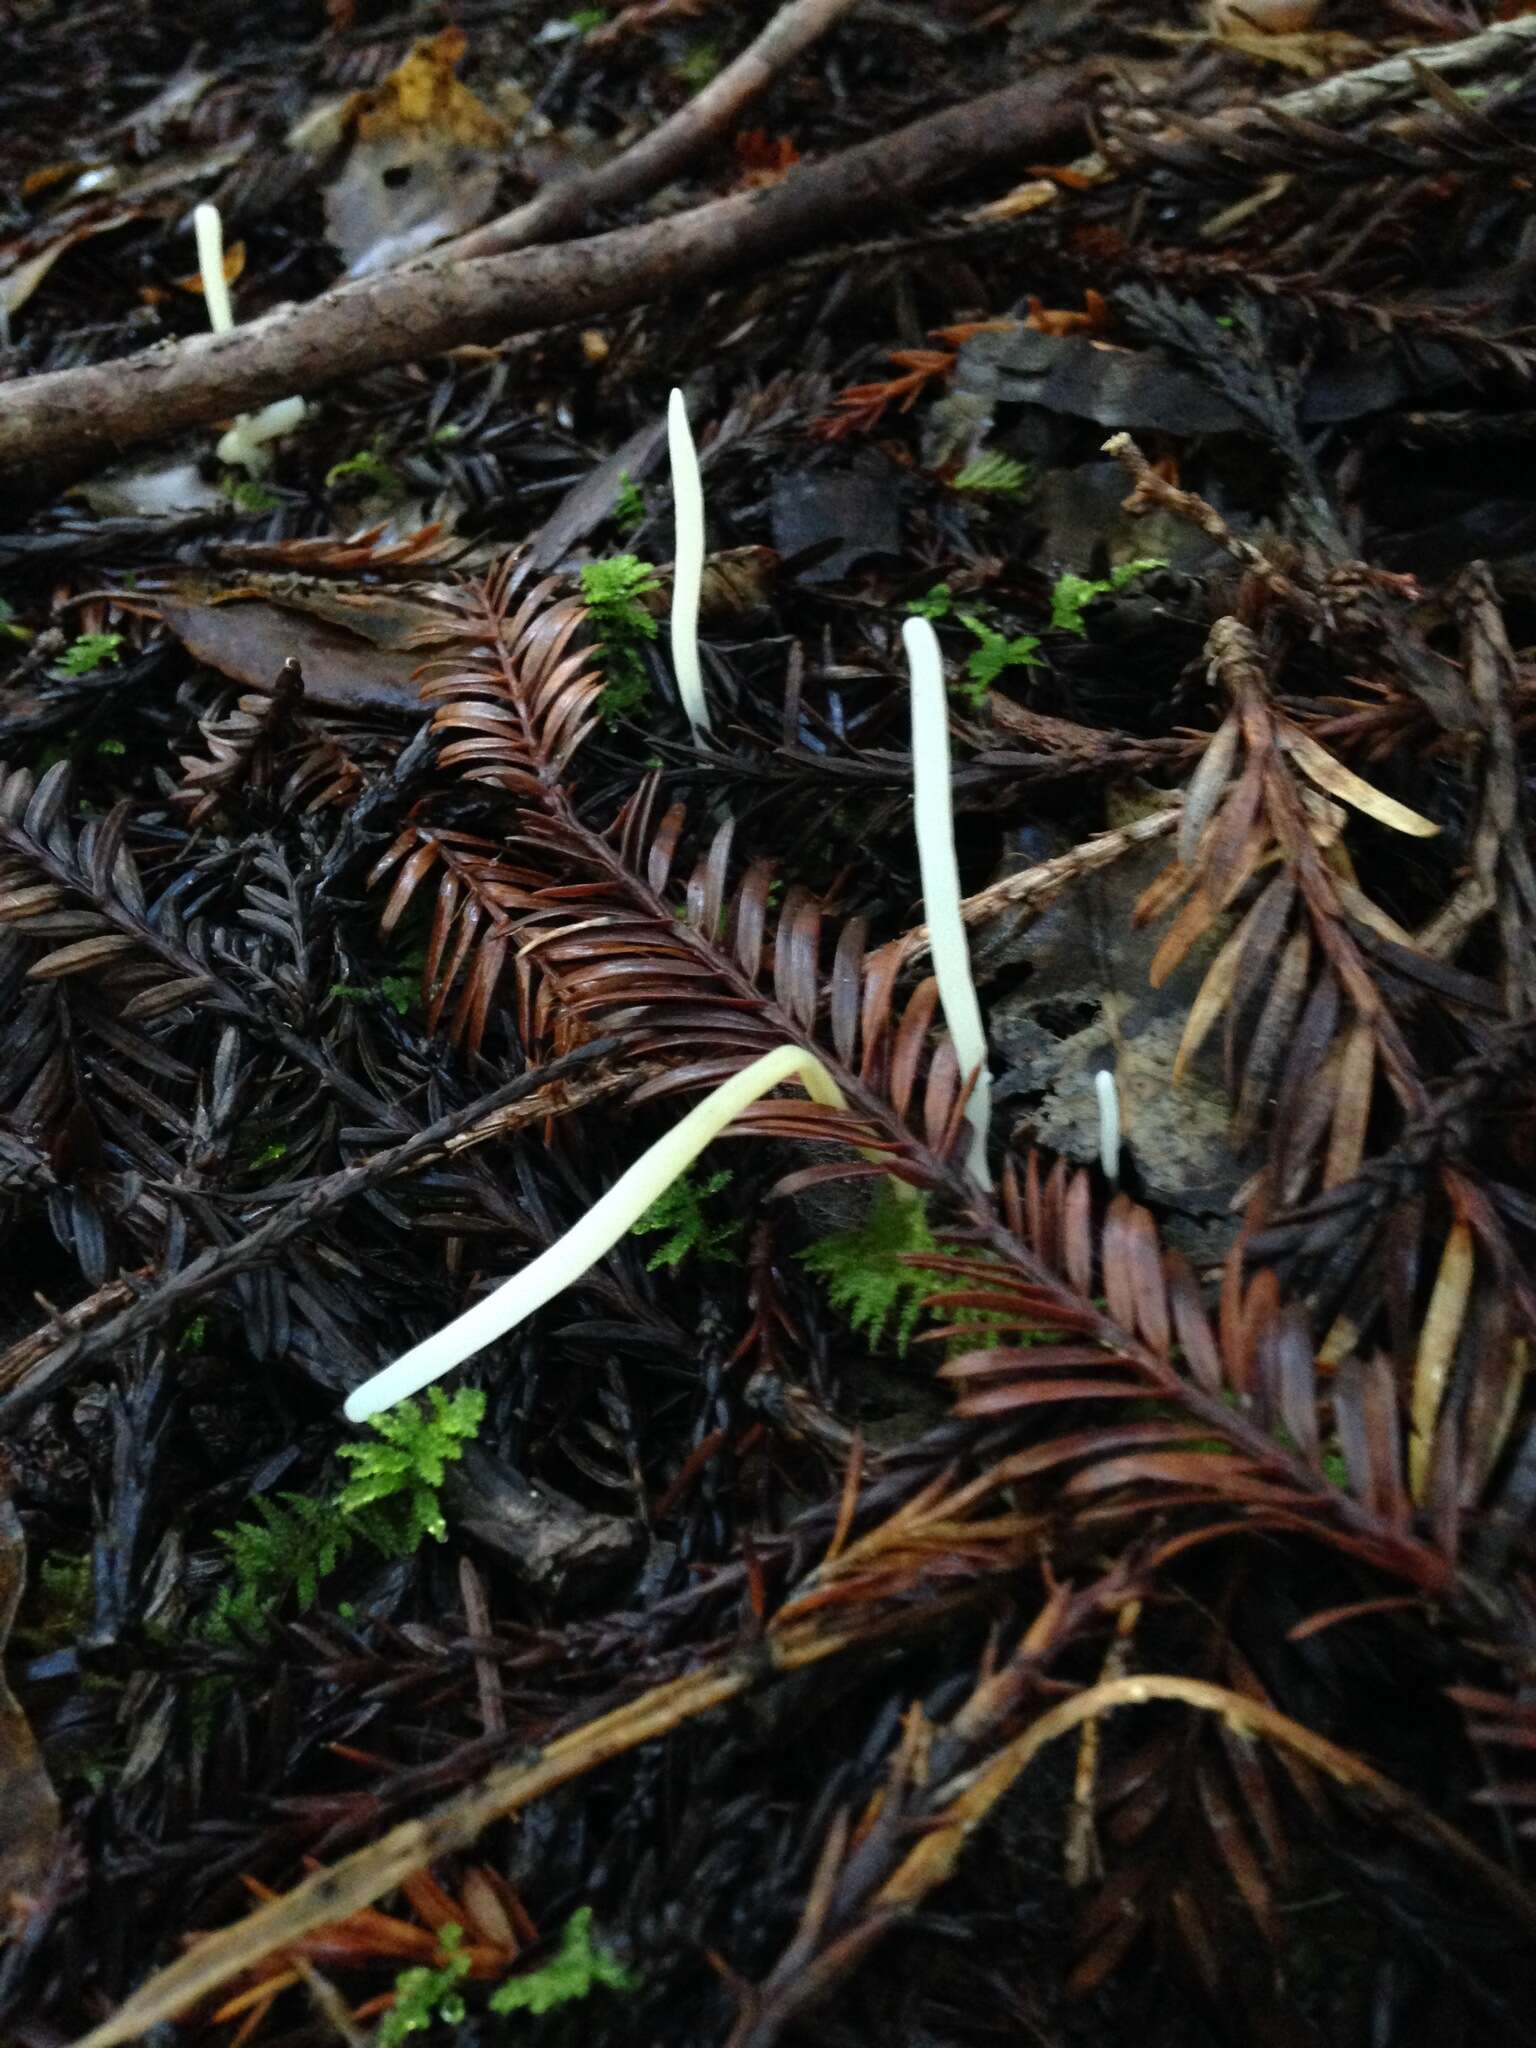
1151,488
36,1367
60,424
368,1873
840,1927
346,1887
1364,91
1348,96
18,1360
564,207
1048,878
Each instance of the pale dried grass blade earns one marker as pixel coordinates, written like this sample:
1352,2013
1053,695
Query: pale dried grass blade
1319,766
1437,1349
1346,1141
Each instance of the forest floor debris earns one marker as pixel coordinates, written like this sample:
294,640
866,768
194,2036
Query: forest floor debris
897,1594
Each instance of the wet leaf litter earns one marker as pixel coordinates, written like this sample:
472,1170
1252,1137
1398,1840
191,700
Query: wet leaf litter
906,1534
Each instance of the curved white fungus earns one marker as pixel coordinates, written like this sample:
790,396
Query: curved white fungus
934,821
598,1231
208,227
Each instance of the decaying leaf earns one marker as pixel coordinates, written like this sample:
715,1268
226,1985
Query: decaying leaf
853,516
153,489
250,640
1437,1348
423,164
23,267
29,1807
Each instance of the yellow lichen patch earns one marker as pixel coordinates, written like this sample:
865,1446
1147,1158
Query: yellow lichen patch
425,92
423,164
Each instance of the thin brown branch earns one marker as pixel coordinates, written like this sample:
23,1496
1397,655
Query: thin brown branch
19,1358
1150,488
1037,885
1349,97
935,1857
35,1368
1501,852
1354,94
563,208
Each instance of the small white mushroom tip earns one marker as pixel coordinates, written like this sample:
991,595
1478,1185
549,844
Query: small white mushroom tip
208,228
1108,1092
244,445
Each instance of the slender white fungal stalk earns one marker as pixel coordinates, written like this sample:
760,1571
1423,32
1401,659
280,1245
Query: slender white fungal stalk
242,446
1109,1123
209,230
597,1232
688,568
934,819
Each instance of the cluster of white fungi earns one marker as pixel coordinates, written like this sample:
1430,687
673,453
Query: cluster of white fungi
671,1156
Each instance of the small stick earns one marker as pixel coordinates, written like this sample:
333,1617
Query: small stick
563,209
1148,488
477,1619
1038,884
17,1361
1351,94
61,422
1347,97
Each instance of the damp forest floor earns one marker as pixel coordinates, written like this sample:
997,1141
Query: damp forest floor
1044,1556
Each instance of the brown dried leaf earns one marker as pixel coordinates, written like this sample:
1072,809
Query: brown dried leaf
252,640
1237,1853
1366,1417
27,1798
1437,1348
1346,1142
1206,786
81,957
1191,1324
911,1041
1194,920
